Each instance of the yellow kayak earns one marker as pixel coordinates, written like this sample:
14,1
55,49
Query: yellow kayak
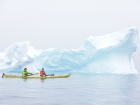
37,76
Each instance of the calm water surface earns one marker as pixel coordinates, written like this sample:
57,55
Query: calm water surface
88,89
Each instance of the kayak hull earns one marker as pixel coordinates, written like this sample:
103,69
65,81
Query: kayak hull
37,76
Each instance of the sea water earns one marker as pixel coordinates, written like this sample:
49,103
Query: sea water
78,89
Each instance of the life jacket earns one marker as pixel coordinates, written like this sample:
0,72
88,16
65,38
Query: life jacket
24,73
41,73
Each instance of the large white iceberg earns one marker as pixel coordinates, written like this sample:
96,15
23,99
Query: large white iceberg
111,53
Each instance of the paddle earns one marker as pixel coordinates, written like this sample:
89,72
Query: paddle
35,73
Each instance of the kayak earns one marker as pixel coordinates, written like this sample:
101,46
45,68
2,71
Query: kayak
37,76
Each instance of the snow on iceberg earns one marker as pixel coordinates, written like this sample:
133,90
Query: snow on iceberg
111,53
18,56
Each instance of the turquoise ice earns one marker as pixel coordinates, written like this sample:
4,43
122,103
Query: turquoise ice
110,53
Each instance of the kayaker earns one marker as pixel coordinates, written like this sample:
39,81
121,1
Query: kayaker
25,72
42,72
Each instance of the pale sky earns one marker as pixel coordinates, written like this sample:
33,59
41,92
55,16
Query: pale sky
65,23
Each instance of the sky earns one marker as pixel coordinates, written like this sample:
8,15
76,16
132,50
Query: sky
65,23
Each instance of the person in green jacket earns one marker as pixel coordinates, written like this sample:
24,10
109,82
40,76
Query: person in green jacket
25,72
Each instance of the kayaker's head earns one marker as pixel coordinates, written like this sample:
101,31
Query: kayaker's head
42,69
25,69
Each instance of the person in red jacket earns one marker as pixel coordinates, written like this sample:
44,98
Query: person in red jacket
42,72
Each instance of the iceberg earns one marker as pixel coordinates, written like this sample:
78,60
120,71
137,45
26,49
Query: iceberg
111,53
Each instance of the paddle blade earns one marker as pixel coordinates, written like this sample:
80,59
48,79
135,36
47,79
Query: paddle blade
2,75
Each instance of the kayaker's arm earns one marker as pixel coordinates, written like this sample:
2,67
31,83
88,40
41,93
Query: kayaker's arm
28,72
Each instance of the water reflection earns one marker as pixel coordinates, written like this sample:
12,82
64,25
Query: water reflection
24,79
42,79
